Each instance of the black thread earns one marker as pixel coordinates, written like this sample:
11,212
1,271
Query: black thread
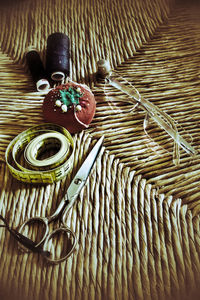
35,66
57,55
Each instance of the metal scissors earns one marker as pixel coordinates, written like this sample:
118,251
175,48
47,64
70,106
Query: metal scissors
66,203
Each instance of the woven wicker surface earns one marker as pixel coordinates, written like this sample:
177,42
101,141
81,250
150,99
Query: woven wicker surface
137,219
165,71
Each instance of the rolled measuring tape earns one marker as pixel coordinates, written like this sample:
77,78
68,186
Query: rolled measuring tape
25,155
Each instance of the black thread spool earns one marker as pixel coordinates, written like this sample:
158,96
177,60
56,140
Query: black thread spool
57,56
37,69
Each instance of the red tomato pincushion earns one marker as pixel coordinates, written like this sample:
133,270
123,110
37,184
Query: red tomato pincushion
70,105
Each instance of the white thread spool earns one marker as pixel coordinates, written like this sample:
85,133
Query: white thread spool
104,68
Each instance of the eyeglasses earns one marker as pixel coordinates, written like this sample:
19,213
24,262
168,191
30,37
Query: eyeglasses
163,133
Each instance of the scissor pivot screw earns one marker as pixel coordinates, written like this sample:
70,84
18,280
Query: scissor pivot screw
77,181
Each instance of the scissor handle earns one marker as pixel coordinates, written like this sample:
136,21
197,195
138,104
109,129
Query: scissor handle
66,230
43,221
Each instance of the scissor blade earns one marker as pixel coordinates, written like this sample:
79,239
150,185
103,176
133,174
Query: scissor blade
81,176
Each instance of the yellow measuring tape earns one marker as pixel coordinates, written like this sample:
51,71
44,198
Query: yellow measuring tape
24,152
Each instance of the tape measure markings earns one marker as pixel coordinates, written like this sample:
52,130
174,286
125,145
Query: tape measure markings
36,139
38,143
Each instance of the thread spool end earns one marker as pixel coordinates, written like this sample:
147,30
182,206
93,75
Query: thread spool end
58,76
103,68
42,85
30,49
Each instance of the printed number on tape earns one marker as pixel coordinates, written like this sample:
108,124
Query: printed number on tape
23,154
